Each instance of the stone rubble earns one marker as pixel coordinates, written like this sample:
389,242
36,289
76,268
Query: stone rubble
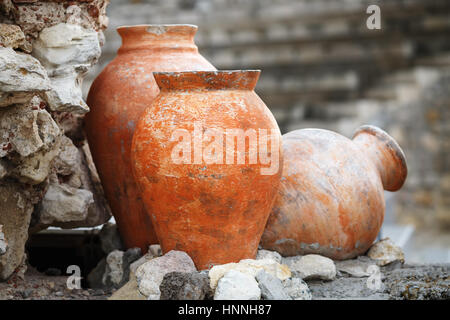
297,289
250,267
385,252
113,272
242,281
312,266
21,77
235,285
271,287
150,274
267,254
357,268
185,286
63,203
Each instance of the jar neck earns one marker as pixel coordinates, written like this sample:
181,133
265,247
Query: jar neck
158,38
384,152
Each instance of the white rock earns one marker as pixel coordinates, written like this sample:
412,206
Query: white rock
71,166
267,254
150,274
297,289
114,266
27,128
313,266
63,203
35,168
355,267
67,51
250,267
235,285
21,77
385,252
31,132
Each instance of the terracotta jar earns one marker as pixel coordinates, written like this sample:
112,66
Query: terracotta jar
208,193
331,199
117,99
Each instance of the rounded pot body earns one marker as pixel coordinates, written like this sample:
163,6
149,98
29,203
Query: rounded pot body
207,156
331,197
117,98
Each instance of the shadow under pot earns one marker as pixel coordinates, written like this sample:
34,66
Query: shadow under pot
331,198
117,98
207,157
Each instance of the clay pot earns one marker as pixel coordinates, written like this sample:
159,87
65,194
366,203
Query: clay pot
212,203
331,199
117,99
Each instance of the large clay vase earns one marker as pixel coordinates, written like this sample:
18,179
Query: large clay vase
206,194
117,99
331,198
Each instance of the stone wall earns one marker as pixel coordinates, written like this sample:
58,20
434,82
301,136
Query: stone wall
322,67
46,173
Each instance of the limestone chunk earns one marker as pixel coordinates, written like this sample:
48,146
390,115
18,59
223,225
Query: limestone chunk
15,217
26,129
21,77
313,266
235,285
11,36
67,51
385,252
63,203
251,267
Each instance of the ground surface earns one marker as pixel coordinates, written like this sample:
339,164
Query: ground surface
398,282
38,286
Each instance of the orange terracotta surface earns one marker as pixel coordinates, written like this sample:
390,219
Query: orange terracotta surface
331,199
117,99
215,212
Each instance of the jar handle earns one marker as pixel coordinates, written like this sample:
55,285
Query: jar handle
385,153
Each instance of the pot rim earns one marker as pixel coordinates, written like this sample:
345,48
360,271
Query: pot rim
152,25
395,150
384,136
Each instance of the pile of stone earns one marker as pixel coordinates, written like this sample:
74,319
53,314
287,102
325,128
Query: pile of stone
270,276
46,175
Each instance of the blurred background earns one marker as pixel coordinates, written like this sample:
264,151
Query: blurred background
323,68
